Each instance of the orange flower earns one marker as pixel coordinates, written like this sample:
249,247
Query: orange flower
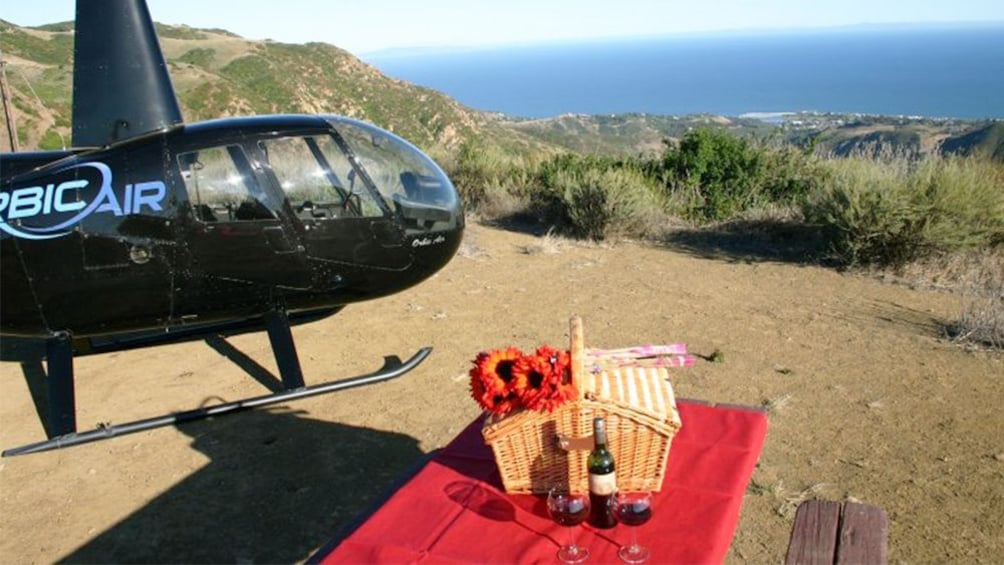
543,381
503,380
492,378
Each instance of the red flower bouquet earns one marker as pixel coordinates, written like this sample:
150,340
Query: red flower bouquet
503,380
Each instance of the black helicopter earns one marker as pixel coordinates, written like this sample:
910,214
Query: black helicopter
150,230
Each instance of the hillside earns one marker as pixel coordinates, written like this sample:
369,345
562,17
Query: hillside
628,133
987,141
218,74
846,135
839,135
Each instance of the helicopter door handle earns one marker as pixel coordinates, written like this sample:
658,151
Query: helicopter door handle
277,240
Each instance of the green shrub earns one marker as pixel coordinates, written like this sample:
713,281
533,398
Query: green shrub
598,202
868,211
791,174
890,213
719,173
491,181
963,200
714,175
470,173
200,57
52,140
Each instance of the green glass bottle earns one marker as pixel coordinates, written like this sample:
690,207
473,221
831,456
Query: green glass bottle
602,478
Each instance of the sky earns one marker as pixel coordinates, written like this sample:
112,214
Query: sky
364,26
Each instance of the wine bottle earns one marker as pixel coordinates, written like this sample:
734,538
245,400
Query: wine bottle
602,478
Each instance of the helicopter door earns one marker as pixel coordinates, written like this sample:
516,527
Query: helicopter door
345,222
242,253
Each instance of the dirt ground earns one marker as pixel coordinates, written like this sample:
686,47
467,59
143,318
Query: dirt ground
867,401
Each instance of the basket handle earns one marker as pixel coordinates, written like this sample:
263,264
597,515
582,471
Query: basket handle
577,352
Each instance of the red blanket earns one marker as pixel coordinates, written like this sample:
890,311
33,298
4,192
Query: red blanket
455,511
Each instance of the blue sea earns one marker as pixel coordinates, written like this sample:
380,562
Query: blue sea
936,71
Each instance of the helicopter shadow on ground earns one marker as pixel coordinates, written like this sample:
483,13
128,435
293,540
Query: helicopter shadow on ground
277,486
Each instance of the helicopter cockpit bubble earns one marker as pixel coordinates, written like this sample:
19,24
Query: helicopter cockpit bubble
403,178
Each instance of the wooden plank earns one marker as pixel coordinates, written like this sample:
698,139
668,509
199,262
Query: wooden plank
864,531
814,535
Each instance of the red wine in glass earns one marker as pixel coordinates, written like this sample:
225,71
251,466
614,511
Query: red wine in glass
633,509
634,513
571,515
569,510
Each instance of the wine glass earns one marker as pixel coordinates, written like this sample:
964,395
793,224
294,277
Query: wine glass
569,509
632,509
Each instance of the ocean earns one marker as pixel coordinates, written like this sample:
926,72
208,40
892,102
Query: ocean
934,71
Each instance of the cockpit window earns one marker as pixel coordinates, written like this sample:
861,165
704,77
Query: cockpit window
394,165
318,178
417,189
221,187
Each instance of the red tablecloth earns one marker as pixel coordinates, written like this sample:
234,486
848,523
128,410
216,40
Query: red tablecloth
454,509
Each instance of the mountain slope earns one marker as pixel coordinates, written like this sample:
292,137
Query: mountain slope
218,74
986,141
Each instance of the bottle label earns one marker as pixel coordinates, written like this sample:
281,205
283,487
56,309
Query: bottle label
603,485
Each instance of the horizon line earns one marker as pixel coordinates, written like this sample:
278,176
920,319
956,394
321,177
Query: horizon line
758,31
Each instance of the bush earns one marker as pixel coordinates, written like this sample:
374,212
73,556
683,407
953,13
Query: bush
868,211
891,213
981,319
488,179
719,172
52,140
791,174
963,202
715,175
596,198
981,322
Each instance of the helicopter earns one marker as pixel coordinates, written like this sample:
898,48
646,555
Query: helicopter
150,230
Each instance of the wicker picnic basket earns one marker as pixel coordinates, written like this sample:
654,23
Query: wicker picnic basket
536,451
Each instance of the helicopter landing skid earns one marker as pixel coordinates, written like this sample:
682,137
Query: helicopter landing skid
62,420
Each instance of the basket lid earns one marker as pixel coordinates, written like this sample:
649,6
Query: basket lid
645,388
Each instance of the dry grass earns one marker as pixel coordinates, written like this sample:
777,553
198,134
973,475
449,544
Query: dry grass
976,275
968,271
471,248
981,318
787,500
549,244
981,322
772,405
791,500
